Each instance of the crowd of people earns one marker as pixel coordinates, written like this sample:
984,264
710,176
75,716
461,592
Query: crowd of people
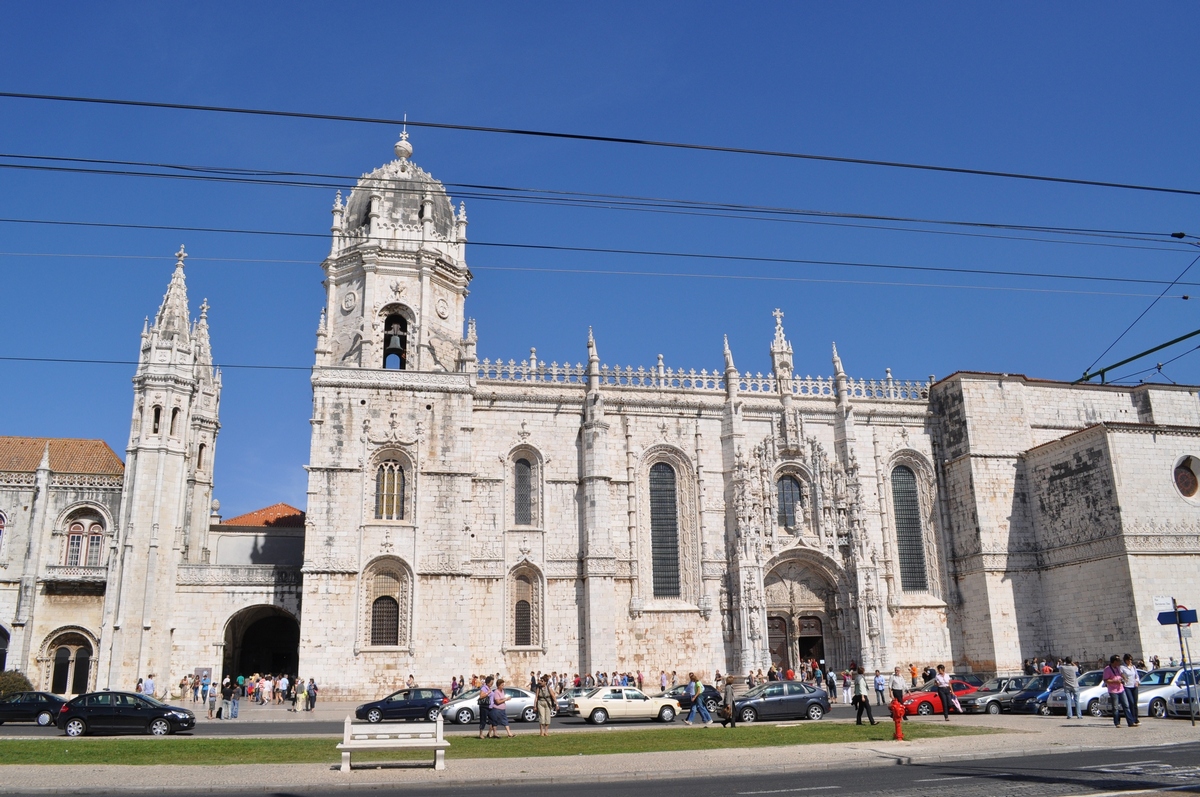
224,699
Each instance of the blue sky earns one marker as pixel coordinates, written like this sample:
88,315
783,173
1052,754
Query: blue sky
1095,91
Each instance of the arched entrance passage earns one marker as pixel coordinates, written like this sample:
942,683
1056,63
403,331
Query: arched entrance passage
261,639
68,663
799,599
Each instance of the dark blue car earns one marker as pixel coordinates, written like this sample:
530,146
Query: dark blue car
418,703
1033,699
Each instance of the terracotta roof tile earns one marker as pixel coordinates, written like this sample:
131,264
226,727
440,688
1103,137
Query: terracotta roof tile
67,455
277,515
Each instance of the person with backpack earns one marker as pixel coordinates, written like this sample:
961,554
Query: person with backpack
312,694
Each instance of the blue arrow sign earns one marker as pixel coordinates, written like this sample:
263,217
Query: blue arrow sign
1184,616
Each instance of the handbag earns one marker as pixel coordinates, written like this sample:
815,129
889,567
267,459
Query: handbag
727,711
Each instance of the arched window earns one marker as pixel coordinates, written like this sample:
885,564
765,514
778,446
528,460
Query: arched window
175,422
910,544
74,545
200,456
791,502
395,342
3,523
523,499
71,669
523,611
385,621
387,601
389,491
154,425
85,544
664,531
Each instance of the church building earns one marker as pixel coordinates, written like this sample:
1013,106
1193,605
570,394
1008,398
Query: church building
470,515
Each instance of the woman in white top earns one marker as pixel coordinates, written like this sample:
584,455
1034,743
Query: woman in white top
943,689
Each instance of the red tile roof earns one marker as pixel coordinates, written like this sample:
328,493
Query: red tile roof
67,455
277,515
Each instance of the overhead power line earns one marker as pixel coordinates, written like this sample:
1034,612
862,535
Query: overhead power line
549,134
638,252
82,361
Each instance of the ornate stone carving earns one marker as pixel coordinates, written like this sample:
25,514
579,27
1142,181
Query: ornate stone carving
239,575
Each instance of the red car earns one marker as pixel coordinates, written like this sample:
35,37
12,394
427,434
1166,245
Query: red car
926,700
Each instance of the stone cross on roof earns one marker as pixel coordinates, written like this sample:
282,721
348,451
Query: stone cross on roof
181,255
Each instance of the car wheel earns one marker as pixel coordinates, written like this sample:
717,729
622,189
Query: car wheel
45,718
432,714
667,714
993,707
1043,710
1157,709
1095,709
925,709
815,712
464,716
599,717
374,715
711,705
76,727
529,714
160,727
748,715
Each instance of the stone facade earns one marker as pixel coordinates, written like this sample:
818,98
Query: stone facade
470,515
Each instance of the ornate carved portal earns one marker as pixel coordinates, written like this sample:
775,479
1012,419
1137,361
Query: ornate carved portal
799,601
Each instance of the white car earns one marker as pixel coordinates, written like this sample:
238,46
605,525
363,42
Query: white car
1179,704
1157,687
1093,695
622,703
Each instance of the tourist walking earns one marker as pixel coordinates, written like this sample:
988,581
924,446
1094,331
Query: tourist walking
846,686
212,701
896,683
312,694
860,699
498,714
727,713
300,699
1116,692
695,691
912,673
545,705
484,704
942,682
880,688
226,697
832,686
1130,675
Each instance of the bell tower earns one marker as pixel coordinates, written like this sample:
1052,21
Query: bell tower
396,274
168,486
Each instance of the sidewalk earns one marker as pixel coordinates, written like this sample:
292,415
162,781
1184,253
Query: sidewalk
1027,735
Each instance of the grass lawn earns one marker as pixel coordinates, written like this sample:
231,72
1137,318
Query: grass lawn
258,750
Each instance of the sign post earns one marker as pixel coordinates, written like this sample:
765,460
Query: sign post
1177,617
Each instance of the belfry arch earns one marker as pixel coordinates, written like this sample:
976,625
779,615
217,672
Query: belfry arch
261,639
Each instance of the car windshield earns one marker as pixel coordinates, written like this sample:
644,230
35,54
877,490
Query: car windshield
756,691
991,686
1158,677
1090,678
154,701
473,693
1039,684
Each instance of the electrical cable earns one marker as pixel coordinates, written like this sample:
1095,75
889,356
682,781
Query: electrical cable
637,252
548,134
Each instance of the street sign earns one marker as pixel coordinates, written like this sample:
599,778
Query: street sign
1163,603
1186,632
1185,616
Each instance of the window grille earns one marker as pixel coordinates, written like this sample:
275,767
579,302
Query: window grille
385,621
910,543
664,531
790,500
524,629
389,491
523,501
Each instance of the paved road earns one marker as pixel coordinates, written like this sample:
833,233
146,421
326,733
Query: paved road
1174,769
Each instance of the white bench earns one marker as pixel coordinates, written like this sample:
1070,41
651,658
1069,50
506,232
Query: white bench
381,737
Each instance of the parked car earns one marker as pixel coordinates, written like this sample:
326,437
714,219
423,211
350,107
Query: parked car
712,698
1179,704
926,700
521,705
994,696
1093,695
406,704
781,700
1034,697
570,692
622,703
39,707
122,712
1156,687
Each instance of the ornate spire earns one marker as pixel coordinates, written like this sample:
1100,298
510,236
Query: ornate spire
172,319
45,463
729,366
403,149
203,345
837,363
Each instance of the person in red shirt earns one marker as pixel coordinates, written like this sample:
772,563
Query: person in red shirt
790,674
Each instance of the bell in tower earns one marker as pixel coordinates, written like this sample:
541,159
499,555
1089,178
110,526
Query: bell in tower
395,342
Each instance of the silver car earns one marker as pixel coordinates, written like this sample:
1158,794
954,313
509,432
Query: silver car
1157,687
1180,703
1093,695
521,705
567,695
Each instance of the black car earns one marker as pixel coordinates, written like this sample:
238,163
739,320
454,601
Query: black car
712,698
407,704
122,712
781,700
39,707
1034,697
